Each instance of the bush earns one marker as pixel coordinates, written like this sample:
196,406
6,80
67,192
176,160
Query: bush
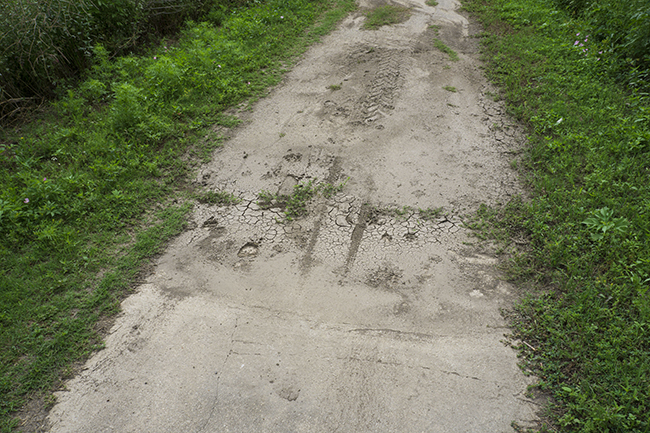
43,42
46,42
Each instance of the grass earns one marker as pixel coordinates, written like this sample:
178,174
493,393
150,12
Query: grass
584,326
385,16
431,3
450,89
453,55
431,214
295,205
220,198
403,213
87,184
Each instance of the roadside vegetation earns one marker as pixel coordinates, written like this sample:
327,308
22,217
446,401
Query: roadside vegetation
453,55
95,180
385,16
576,74
295,204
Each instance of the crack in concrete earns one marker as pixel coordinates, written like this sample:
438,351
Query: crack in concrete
383,362
453,373
394,333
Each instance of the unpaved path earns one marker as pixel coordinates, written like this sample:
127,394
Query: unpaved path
363,316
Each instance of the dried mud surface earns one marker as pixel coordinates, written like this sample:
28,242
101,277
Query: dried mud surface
362,316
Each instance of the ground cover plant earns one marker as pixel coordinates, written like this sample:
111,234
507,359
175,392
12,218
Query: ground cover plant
585,330
295,204
94,183
385,16
453,55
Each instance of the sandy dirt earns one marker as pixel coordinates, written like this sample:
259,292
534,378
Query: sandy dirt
362,316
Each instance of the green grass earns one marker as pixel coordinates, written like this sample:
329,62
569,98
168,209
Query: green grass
86,184
431,3
453,55
385,16
450,89
220,198
586,323
295,205
431,214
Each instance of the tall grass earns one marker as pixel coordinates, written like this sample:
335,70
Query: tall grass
46,43
587,328
87,188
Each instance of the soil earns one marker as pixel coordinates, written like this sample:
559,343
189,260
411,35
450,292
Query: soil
364,314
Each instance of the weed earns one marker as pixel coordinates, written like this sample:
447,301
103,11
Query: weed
453,55
295,205
406,212
430,214
334,87
220,198
450,89
266,199
431,3
329,190
385,16
616,33
603,224
41,50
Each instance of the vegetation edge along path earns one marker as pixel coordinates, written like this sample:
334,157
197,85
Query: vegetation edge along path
96,183
584,328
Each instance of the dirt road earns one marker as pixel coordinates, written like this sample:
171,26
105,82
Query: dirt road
366,315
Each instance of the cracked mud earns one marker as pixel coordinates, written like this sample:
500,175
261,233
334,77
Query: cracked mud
364,315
